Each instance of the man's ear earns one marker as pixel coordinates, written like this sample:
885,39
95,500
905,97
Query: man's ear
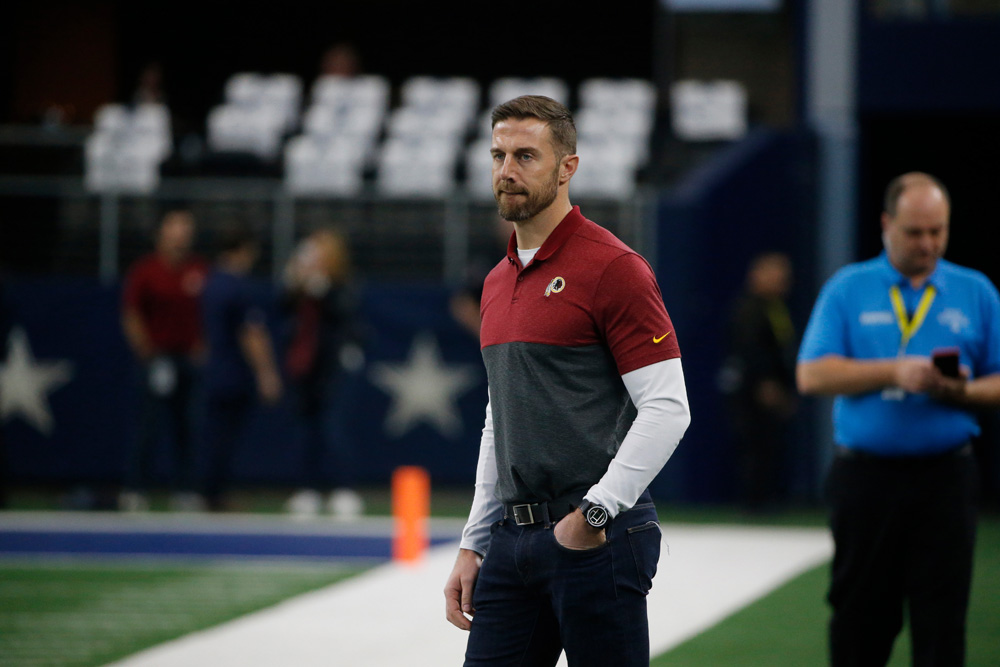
886,221
567,168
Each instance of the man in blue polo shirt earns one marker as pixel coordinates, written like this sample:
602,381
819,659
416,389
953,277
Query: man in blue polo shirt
903,481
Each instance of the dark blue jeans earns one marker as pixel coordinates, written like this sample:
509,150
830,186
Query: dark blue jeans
535,598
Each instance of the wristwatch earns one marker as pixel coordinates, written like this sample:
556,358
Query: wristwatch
596,515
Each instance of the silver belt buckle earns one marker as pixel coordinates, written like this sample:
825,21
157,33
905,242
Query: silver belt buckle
518,517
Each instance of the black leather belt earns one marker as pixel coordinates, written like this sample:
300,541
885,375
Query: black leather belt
527,514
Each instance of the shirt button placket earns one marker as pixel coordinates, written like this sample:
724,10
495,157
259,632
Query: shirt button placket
517,286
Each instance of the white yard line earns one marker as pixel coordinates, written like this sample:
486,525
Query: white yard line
212,524
394,614
713,571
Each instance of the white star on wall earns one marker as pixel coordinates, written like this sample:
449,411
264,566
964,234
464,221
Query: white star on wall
25,383
424,389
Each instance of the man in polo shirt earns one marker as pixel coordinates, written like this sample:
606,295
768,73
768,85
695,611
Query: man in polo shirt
161,319
587,402
902,484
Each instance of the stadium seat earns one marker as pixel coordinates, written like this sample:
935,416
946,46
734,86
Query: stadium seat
283,93
614,123
460,95
256,130
370,91
343,121
629,129
341,129
417,168
479,170
244,89
606,171
485,124
417,123
152,123
425,136
322,166
347,106
708,110
258,112
111,118
127,147
118,164
507,88
616,94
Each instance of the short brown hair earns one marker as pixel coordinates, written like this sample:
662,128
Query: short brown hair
555,115
898,186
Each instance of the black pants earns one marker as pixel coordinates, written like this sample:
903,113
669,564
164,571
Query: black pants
904,532
760,436
321,406
226,419
168,411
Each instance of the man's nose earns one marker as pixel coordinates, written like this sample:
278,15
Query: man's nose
506,168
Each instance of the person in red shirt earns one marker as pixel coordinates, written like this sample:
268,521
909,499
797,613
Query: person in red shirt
161,319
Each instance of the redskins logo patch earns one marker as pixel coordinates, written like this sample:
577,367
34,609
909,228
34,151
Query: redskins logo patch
557,285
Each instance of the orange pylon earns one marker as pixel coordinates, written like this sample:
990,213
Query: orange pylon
411,506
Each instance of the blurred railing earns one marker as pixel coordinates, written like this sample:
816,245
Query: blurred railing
430,240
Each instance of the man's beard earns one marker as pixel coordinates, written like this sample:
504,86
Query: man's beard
529,206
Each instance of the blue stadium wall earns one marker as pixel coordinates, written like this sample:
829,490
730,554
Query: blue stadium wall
75,323
757,195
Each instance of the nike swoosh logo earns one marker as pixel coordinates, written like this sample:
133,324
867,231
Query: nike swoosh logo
657,340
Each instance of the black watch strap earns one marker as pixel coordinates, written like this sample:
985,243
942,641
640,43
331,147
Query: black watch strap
596,515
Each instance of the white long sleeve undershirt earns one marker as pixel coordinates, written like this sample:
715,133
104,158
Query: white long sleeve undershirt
660,397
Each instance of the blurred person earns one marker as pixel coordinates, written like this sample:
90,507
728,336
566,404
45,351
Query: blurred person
341,59
465,300
161,319
240,367
149,85
586,404
759,376
325,345
902,485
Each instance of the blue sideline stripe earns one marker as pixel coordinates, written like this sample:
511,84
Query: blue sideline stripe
206,544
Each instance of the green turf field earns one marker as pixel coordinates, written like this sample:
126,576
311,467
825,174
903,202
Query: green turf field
85,612
82,613
788,627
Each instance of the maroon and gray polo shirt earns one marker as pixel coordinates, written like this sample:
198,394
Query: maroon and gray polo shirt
556,338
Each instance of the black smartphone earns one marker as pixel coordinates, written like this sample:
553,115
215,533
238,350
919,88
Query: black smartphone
946,360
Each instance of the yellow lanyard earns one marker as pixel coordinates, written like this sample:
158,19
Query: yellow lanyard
908,327
780,321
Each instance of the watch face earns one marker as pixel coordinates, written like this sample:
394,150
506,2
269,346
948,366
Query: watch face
597,516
